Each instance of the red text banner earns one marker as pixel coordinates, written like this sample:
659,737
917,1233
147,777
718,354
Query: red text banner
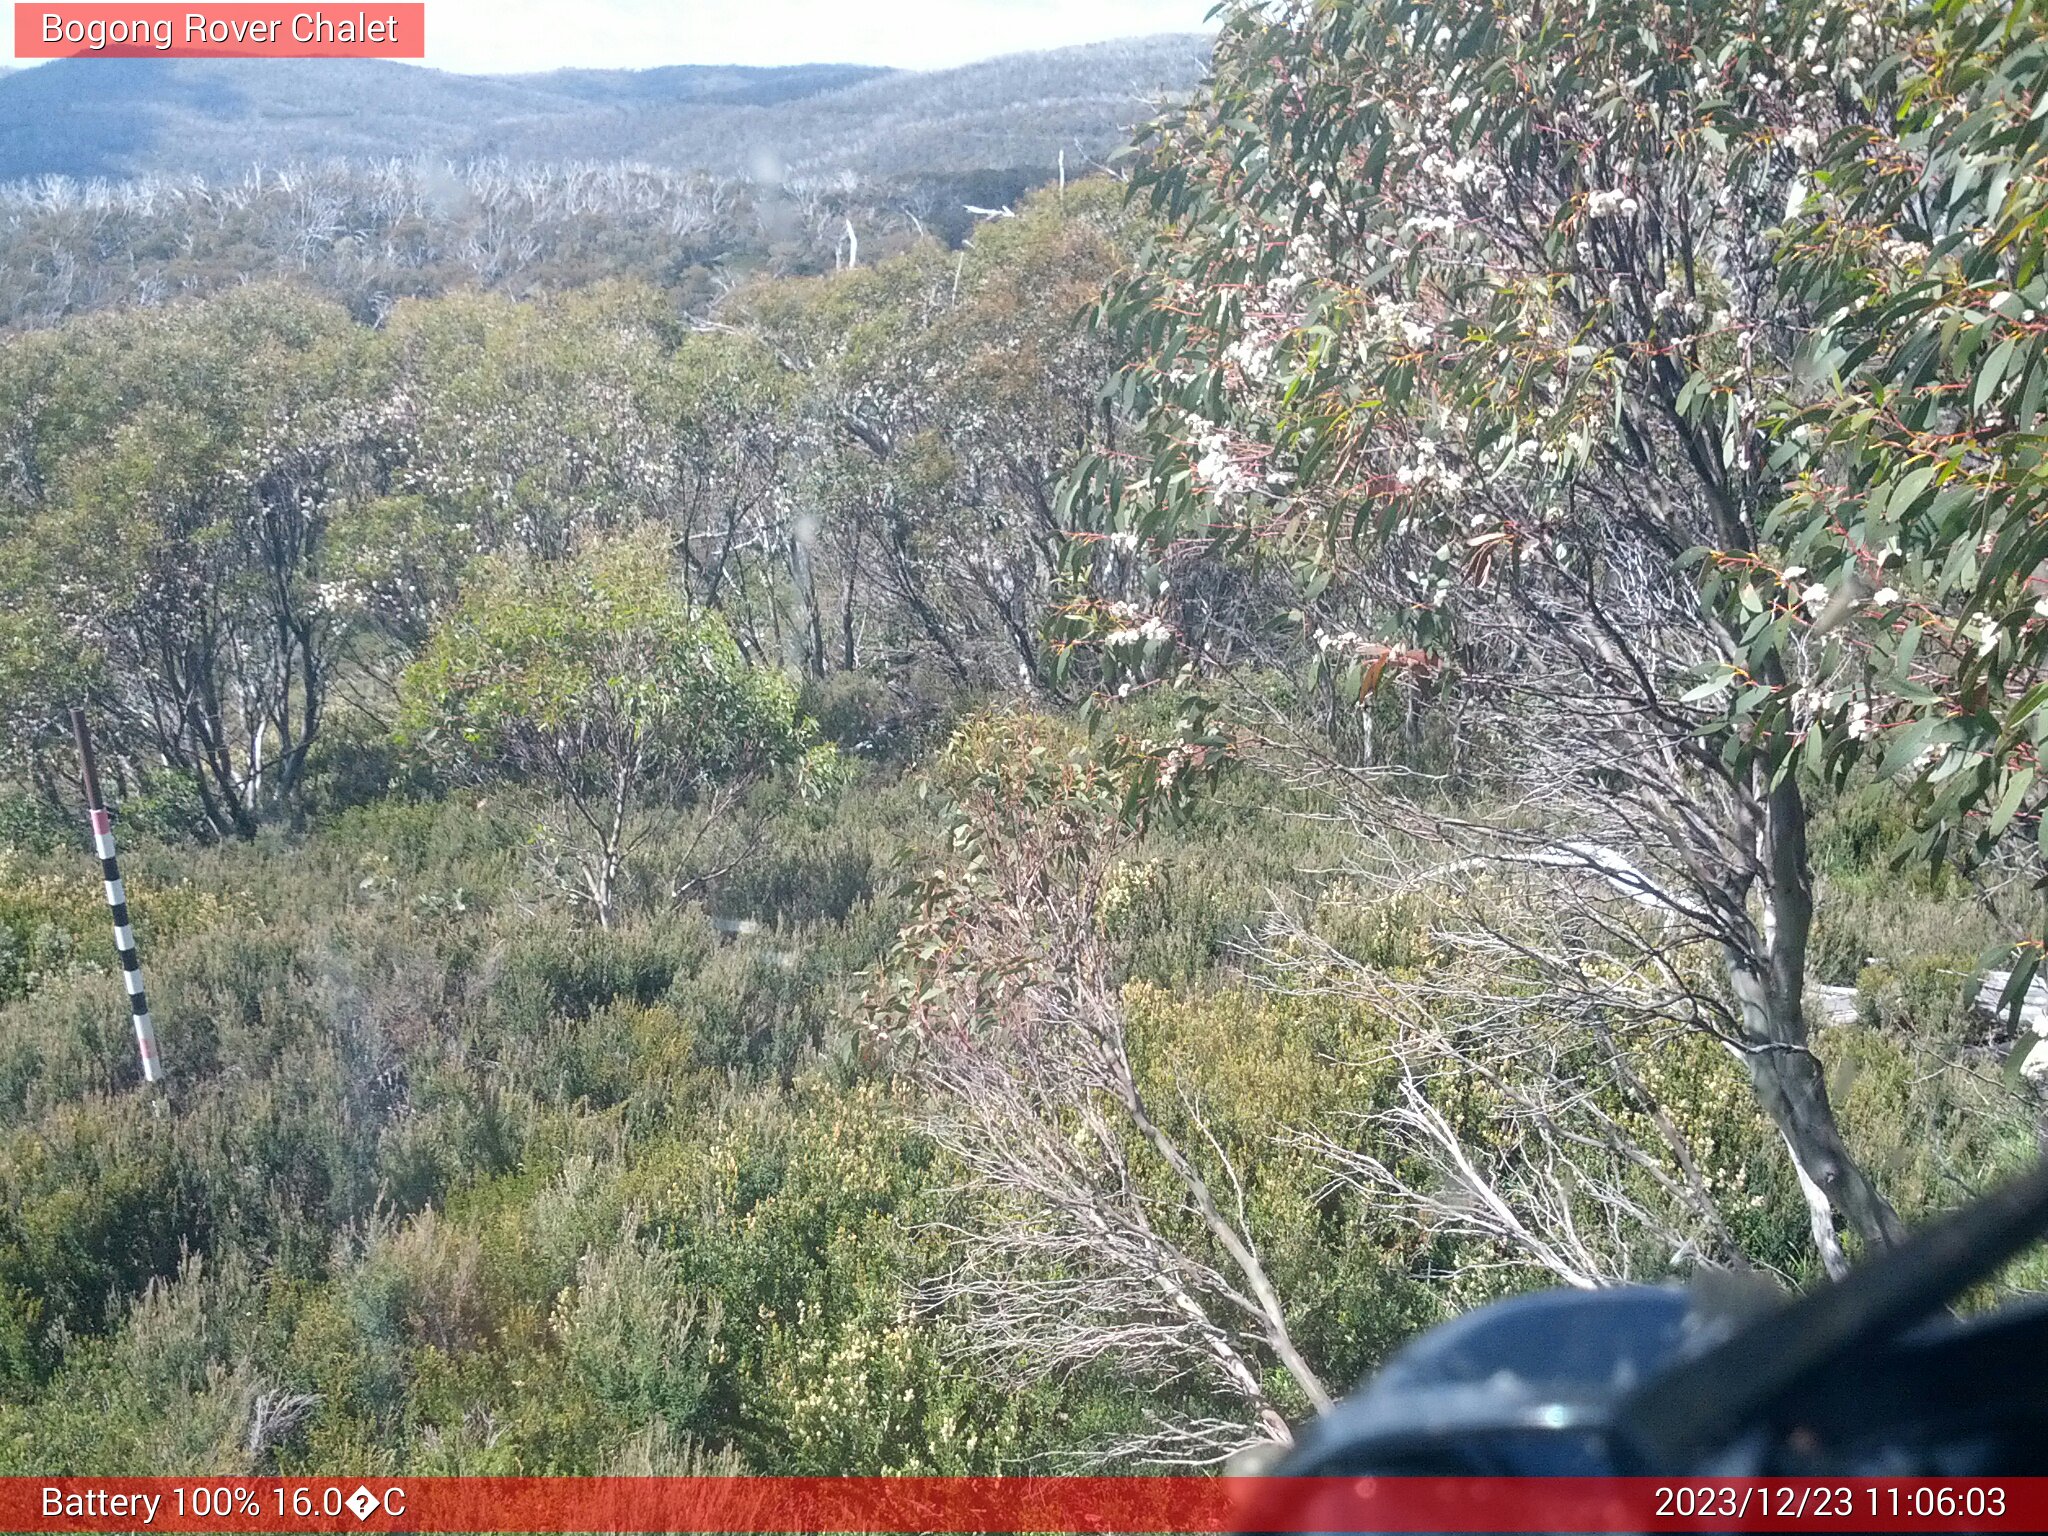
1108,1505
249,31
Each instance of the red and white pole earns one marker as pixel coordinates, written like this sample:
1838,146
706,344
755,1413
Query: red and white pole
117,902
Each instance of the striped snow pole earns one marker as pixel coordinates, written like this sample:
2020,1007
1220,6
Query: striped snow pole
117,902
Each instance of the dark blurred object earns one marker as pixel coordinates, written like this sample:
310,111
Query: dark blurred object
1868,1377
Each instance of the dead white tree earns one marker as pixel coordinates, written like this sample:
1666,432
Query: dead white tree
1589,765
1102,1228
1649,890
1571,1165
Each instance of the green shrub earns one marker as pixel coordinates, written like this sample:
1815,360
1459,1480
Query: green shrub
31,824
1930,994
635,1335
354,764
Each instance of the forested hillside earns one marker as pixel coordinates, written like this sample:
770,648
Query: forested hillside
1024,856
368,236
124,119
141,181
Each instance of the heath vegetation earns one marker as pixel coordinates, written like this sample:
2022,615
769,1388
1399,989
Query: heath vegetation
1025,855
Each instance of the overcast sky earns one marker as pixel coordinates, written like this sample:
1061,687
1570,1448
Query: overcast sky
490,36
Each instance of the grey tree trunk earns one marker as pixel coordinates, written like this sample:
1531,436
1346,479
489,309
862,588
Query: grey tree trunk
1768,978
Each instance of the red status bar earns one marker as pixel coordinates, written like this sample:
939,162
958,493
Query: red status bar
1094,1504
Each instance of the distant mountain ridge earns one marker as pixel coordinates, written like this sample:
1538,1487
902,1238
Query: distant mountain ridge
127,118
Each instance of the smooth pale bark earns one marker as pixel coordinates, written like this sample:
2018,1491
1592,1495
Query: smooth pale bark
1768,979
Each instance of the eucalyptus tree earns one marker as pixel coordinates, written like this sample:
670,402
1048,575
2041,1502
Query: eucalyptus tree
1020,381
177,488
1465,320
532,426
739,445
529,425
944,395
877,468
596,680
1913,531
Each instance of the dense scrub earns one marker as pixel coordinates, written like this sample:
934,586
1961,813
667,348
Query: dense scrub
497,1191
857,880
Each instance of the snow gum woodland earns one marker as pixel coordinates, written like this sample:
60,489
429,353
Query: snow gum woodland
1025,855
